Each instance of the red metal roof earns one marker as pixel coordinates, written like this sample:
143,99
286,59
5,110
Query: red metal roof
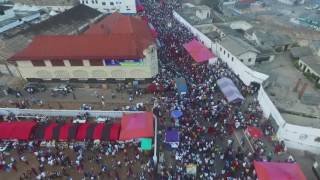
115,37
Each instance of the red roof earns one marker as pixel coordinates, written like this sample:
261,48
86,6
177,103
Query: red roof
136,125
198,51
115,37
48,134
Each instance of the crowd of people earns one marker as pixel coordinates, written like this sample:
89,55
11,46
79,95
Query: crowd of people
206,127
208,120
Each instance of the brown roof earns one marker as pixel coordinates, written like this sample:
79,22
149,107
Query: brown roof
117,37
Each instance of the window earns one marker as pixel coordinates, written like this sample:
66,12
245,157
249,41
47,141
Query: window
86,2
38,63
92,1
224,52
232,59
249,60
57,62
103,3
111,3
96,62
228,55
220,49
82,2
76,62
241,60
96,1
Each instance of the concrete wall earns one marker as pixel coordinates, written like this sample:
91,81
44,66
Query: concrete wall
248,58
141,71
298,137
109,6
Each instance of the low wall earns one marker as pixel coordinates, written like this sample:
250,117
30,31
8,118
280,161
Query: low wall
297,137
64,113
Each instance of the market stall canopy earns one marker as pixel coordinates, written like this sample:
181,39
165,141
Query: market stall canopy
82,132
275,171
229,90
48,134
176,114
181,85
16,130
198,51
146,144
254,132
136,125
64,132
172,136
97,133
115,132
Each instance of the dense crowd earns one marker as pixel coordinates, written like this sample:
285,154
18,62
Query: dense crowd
208,121
206,126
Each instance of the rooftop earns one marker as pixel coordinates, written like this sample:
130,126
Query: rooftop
189,14
315,44
298,52
116,36
63,23
273,39
313,62
237,46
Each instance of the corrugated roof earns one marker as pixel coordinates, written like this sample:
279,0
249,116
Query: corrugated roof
117,37
237,46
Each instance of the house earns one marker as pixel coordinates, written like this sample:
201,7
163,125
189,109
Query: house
315,46
110,6
267,40
71,21
117,47
196,15
311,65
240,49
299,52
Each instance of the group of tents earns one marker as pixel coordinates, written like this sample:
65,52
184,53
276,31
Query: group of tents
27,130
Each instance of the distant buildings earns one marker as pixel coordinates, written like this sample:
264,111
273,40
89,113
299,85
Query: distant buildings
13,16
291,2
110,6
311,65
117,47
311,20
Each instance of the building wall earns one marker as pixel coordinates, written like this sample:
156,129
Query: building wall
305,68
19,22
140,71
289,133
110,6
248,58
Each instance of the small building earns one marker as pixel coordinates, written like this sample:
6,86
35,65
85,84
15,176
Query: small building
299,52
111,6
240,49
196,15
311,65
265,39
117,47
315,46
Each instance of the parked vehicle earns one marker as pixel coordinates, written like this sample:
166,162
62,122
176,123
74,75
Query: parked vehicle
34,87
63,89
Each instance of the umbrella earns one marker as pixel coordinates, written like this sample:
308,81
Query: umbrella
172,136
176,114
254,132
146,144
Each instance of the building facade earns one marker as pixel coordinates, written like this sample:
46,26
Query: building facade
124,49
110,6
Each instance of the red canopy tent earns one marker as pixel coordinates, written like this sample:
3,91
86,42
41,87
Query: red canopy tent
16,130
97,133
82,132
198,51
48,133
115,132
64,132
5,130
254,132
136,125
277,171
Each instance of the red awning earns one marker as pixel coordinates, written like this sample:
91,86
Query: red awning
97,133
254,132
48,134
198,51
64,132
115,132
82,132
136,125
274,170
16,130
140,8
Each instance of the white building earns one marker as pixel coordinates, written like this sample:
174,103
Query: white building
110,6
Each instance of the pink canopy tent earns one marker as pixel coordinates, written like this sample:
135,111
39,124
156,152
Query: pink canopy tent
136,125
198,51
276,171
